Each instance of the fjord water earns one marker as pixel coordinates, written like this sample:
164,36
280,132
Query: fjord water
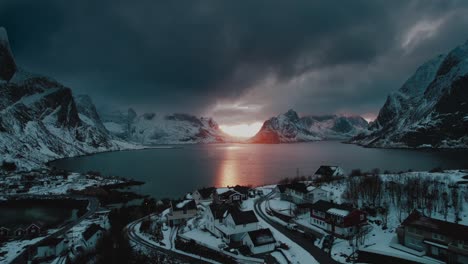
174,172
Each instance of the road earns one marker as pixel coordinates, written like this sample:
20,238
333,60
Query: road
131,234
295,236
93,205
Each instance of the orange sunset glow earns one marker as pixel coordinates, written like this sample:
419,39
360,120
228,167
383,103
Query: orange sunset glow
242,130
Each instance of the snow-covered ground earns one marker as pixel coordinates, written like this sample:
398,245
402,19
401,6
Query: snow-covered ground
380,240
14,248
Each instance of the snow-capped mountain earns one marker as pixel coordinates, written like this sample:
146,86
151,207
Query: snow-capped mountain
429,110
152,128
289,127
40,120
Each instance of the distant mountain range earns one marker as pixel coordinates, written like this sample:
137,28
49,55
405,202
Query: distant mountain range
289,127
429,110
152,129
41,119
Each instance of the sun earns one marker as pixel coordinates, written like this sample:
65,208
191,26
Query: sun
242,130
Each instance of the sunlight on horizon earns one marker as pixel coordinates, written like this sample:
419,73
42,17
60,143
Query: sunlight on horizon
242,130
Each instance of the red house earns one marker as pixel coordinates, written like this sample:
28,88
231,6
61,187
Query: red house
339,219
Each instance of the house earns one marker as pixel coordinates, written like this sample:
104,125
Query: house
4,232
435,238
341,220
214,215
227,195
92,235
326,171
236,224
260,241
33,230
300,193
50,247
203,195
281,189
182,211
20,231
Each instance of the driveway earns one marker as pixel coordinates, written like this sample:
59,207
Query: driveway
295,236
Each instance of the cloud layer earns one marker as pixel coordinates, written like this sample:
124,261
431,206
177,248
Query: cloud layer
237,60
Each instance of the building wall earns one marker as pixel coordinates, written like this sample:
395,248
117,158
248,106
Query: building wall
92,242
260,249
45,252
229,222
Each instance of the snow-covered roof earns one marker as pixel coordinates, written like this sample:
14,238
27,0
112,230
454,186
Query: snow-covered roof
183,203
338,212
222,190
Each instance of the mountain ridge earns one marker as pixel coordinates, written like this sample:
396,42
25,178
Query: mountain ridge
289,128
429,110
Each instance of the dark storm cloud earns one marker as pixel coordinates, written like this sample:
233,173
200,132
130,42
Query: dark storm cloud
177,56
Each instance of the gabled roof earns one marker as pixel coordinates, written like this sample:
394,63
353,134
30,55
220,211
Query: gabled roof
282,187
261,237
205,193
185,205
298,186
227,194
326,170
417,220
241,189
218,210
91,230
243,217
324,206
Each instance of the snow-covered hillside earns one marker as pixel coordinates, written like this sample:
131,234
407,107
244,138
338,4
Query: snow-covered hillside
429,110
152,128
40,120
289,127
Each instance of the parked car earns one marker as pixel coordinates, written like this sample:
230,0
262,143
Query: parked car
292,226
222,246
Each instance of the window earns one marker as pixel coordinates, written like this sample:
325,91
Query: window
438,236
361,217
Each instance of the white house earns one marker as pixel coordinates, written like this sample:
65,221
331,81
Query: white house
260,241
301,193
236,224
92,235
50,247
214,215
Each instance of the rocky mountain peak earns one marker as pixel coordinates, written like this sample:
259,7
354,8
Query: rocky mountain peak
7,62
292,115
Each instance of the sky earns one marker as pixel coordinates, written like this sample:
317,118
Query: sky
236,61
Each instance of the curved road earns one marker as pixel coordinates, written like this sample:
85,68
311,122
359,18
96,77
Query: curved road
297,237
131,234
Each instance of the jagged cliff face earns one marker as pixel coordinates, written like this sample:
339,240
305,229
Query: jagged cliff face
151,128
429,110
7,62
289,127
39,119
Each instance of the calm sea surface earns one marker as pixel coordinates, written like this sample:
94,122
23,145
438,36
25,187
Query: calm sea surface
173,172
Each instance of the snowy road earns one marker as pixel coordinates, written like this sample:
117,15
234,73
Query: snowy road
135,238
297,237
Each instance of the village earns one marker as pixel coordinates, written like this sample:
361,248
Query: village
257,225
330,217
